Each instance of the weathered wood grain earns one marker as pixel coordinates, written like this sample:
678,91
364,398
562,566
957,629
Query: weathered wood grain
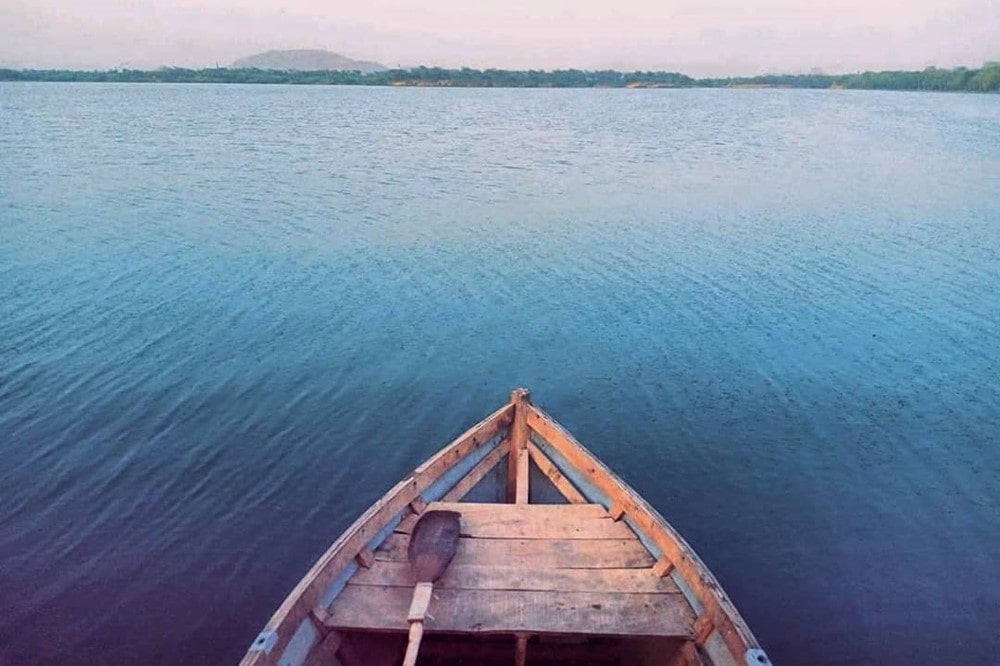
501,577
506,611
540,553
521,492
531,521
517,478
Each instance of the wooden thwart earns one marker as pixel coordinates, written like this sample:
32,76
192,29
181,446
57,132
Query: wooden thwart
534,612
537,553
479,577
532,521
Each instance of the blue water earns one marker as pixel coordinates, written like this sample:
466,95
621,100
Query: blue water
231,317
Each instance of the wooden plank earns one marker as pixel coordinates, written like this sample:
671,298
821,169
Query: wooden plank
520,399
305,596
724,616
570,511
505,611
687,655
477,473
521,492
480,577
530,521
535,553
561,483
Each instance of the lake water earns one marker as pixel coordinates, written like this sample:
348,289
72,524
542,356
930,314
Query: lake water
232,317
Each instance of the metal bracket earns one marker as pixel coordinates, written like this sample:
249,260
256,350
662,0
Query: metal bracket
757,657
265,641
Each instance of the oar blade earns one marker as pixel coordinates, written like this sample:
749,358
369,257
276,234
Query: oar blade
433,544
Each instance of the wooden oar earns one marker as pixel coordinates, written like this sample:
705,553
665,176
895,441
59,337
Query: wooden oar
432,545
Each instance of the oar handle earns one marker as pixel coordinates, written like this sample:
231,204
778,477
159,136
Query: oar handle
413,647
418,610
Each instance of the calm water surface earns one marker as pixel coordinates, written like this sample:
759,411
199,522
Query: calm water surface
231,317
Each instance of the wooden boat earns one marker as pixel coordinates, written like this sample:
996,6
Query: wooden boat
558,561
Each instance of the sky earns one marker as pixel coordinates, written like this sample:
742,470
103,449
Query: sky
697,37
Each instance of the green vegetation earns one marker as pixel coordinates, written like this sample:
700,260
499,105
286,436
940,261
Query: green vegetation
984,79
960,79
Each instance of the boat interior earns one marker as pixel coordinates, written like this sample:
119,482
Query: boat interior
557,562
530,583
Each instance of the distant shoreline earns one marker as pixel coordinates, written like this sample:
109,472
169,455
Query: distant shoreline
960,79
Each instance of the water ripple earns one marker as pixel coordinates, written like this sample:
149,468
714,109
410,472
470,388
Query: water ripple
233,316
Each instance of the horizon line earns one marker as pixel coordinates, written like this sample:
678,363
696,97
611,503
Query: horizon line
816,71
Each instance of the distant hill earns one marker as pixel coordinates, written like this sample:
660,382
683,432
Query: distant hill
306,60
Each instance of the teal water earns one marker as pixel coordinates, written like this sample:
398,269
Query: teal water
232,317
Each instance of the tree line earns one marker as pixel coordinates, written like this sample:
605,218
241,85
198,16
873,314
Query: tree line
959,79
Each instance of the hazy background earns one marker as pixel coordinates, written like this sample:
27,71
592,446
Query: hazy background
699,37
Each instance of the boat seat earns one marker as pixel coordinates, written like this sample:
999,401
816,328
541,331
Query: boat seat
527,569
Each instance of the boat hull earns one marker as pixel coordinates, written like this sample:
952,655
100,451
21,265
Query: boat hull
556,549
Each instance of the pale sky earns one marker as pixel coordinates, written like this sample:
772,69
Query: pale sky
698,37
